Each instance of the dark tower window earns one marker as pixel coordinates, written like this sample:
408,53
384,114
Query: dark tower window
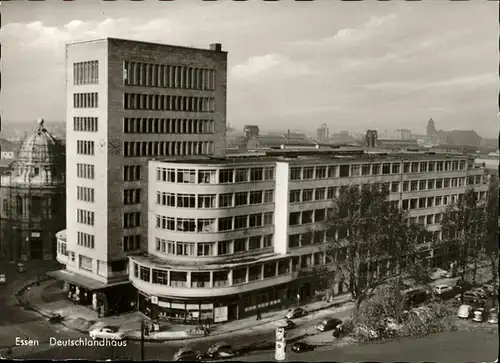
36,171
36,206
19,206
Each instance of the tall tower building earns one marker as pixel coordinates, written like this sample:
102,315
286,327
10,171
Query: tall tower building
129,102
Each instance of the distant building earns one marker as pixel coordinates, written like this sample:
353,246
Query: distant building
371,138
323,134
397,144
33,199
251,131
403,134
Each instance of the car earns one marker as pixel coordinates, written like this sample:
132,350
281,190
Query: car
493,316
20,267
481,292
328,324
302,347
439,273
221,350
107,332
3,279
414,297
470,297
463,285
464,311
295,313
442,289
489,288
186,355
478,315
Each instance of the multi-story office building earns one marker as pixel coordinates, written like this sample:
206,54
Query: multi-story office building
129,102
230,236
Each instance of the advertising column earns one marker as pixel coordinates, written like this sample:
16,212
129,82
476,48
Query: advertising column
280,353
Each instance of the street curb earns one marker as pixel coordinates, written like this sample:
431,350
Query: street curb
271,320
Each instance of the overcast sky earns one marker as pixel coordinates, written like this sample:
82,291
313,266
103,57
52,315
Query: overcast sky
292,64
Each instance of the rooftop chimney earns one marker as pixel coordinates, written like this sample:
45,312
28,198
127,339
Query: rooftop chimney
217,47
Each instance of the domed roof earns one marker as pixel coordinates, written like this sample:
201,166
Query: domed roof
41,147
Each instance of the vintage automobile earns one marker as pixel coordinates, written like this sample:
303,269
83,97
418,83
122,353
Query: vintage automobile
186,355
302,347
464,311
107,332
479,315
493,316
328,324
295,313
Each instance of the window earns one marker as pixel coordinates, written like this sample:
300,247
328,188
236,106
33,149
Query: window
308,173
205,249
240,245
240,198
421,202
406,168
256,174
307,216
131,219
294,218
87,124
319,193
306,239
268,218
307,195
431,166
438,200
320,172
84,147
226,176
254,243
375,169
225,224
160,277
319,215
267,241
85,194
332,192
167,199
294,196
144,273
206,225
206,200
224,247
186,201
423,166
85,240
414,185
386,168
85,171
365,169
206,176
131,196
139,125
319,236
241,175
396,168
269,173
422,185
344,171
131,243
355,170
431,183
256,197
294,240
439,183
414,167
142,101
86,72
85,263
241,222
186,176
268,196
439,166
295,173
132,172
225,200
446,182
395,187
85,217
430,202
333,171
186,225
85,100
255,220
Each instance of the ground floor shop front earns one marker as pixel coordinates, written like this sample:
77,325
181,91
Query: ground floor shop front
215,310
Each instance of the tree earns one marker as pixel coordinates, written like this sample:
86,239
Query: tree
366,234
491,248
462,228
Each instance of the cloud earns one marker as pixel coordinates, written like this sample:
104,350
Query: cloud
275,63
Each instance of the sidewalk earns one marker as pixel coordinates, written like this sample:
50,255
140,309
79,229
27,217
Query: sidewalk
47,300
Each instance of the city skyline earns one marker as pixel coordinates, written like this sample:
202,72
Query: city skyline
351,69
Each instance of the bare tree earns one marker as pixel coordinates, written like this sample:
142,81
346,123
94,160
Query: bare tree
368,234
463,231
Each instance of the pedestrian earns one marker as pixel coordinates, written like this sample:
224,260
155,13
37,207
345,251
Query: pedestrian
259,316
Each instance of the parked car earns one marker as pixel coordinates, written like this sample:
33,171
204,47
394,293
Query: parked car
415,297
20,267
470,297
439,273
489,288
442,289
464,311
479,315
493,316
462,285
221,351
328,324
186,355
3,279
302,347
481,292
295,313
107,332
287,323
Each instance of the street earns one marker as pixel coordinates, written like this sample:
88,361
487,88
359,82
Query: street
165,351
450,347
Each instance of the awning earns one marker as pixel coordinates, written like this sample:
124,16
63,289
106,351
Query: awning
82,281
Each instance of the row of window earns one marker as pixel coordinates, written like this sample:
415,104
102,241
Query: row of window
167,148
344,171
131,219
243,175
168,76
85,217
85,240
306,238
85,171
132,173
88,124
85,147
85,194
213,248
307,216
214,224
85,100
226,200
86,72
167,126
131,196
131,243
141,101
